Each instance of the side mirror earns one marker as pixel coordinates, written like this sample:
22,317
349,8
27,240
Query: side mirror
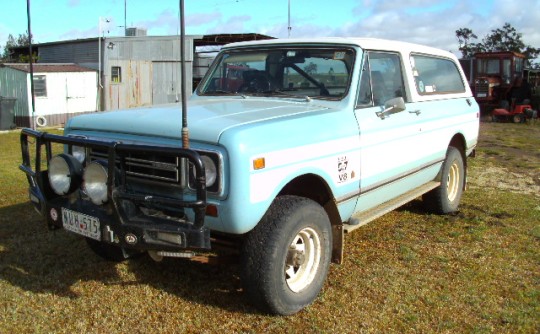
392,106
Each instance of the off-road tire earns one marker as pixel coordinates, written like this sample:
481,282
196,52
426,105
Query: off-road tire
445,198
293,228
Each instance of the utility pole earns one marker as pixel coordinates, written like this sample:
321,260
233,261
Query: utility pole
125,18
101,52
33,121
289,28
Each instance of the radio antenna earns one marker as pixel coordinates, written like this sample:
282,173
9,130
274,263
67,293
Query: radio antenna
185,130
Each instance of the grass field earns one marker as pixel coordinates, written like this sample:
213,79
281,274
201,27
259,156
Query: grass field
477,271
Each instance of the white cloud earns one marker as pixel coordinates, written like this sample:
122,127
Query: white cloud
165,23
3,37
203,18
106,30
430,22
235,24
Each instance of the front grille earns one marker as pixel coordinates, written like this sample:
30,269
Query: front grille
482,88
154,167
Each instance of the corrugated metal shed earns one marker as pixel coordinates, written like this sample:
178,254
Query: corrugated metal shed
48,68
139,70
66,89
83,51
149,68
150,48
14,84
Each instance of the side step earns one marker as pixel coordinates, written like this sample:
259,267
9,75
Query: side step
362,218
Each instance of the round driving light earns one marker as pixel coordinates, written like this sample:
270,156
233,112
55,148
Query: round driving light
95,182
64,174
211,170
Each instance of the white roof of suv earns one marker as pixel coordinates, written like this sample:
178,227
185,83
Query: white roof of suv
364,43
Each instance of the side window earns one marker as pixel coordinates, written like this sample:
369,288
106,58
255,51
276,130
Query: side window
383,72
116,74
40,86
436,75
364,93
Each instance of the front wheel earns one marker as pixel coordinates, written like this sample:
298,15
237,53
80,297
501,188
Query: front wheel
518,118
287,256
446,197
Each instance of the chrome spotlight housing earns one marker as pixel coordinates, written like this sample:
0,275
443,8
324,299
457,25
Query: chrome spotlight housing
95,179
65,174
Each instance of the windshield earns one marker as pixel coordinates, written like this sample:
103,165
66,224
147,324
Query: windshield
298,72
488,66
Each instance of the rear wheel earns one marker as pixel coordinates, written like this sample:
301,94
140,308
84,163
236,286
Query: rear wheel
110,252
446,197
287,256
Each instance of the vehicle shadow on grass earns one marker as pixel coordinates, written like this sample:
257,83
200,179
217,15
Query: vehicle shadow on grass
415,206
216,285
41,261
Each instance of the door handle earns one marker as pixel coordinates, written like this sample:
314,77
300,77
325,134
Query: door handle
417,112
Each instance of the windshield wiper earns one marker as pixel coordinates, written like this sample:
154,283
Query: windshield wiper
219,92
284,94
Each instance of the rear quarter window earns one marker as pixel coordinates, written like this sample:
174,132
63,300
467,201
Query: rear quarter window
433,75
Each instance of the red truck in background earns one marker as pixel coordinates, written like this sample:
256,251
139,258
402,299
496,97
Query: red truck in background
503,88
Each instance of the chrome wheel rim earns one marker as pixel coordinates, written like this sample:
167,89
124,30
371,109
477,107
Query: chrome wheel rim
303,259
452,182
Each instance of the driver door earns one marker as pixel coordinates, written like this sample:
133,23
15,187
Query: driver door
390,143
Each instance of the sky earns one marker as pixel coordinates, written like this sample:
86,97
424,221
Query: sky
429,22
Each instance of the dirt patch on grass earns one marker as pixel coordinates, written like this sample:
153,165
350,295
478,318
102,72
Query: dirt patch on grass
508,158
503,179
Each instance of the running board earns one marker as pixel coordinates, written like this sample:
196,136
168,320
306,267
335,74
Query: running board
362,218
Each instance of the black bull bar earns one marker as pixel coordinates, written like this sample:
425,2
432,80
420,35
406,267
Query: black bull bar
115,213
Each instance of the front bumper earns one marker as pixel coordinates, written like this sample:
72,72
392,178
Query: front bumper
130,219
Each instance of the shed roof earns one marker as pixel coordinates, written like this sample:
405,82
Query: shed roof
47,68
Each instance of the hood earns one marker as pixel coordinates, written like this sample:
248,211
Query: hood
207,118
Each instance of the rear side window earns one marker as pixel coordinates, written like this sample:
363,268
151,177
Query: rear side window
434,75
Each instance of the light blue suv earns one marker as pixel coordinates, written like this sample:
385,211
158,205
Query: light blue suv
292,144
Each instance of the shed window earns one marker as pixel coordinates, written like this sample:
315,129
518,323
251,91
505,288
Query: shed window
40,85
116,74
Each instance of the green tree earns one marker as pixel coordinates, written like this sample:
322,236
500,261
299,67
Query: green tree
6,50
12,42
464,36
506,38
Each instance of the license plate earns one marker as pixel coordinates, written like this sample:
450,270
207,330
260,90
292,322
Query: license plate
481,95
81,224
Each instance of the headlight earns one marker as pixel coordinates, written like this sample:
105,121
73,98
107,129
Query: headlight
95,182
64,174
211,170
79,153
211,173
